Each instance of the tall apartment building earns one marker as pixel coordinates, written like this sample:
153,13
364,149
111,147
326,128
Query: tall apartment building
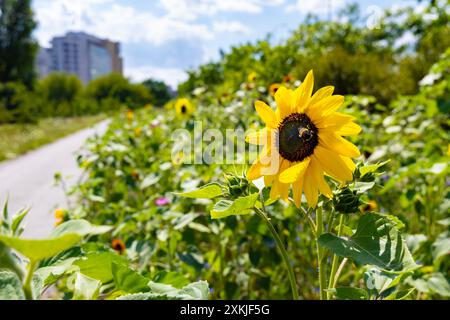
79,53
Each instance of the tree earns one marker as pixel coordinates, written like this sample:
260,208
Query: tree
114,88
17,47
159,91
58,94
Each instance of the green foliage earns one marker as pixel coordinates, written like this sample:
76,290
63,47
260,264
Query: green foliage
159,92
82,272
37,250
376,242
16,105
112,91
354,58
17,46
10,286
205,192
59,94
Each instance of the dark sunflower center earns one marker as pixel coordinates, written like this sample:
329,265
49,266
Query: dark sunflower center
297,137
183,109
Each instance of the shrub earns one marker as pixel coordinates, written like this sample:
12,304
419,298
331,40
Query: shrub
16,103
118,88
58,95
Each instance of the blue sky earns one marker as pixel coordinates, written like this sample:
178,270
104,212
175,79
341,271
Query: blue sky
163,38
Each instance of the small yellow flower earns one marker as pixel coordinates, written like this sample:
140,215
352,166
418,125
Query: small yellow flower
369,206
138,131
130,115
60,215
183,108
274,88
303,141
252,76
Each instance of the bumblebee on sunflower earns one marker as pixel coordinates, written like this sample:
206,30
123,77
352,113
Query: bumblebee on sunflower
304,137
183,108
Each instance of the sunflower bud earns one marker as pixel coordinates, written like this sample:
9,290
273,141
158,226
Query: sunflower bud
346,201
237,186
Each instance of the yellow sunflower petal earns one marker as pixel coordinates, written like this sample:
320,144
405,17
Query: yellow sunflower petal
284,191
297,188
283,97
338,144
310,189
349,162
268,180
266,114
259,137
317,171
294,172
255,171
333,164
324,107
333,120
348,129
320,94
274,190
303,93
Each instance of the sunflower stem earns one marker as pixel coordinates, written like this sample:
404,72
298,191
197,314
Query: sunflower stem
320,258
282,250
27,290
334,264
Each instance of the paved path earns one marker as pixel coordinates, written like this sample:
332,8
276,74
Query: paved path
29,180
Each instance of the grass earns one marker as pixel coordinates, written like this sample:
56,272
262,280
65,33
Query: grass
17,139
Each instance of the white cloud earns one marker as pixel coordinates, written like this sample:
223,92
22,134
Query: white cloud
231,27
105,18
192,9
318,7
171,76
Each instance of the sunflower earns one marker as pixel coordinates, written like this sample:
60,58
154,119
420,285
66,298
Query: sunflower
252,76
183,107
130,115
303,142
274,88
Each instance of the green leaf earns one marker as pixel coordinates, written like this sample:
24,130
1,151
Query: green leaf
435,283
80,227
379,281
149,181
17,220
36,250
349,293
172,278
208,191
194,291
362,187
371,168
440,249
98,265
376,242
129,280
85,288
51,274
240,206
10,286
184,220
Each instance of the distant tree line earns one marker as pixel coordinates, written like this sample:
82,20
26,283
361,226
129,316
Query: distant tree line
24,98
